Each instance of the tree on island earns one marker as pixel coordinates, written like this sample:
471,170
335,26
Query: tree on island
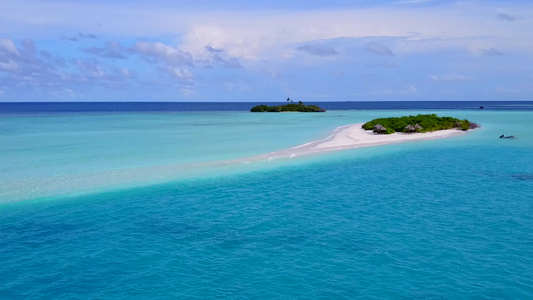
423,123
300,107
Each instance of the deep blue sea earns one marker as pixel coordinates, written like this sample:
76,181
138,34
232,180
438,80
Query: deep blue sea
130,201
100,107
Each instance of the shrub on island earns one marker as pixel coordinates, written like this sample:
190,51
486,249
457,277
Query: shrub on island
419,123
300,107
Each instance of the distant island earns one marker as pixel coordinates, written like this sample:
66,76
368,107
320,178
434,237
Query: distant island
419,123
291,107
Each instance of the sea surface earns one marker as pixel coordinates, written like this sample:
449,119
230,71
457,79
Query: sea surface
134,201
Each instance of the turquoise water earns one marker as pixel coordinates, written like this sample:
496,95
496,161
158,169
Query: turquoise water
122,206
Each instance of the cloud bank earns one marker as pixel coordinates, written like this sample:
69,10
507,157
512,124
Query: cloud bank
168,51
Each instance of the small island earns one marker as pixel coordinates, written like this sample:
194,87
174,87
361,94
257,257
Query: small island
290,107
419,123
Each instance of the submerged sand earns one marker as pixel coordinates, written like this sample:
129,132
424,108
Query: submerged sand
350,137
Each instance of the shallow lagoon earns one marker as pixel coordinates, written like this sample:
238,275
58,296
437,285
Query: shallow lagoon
441,219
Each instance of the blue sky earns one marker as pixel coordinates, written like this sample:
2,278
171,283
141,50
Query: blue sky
236,50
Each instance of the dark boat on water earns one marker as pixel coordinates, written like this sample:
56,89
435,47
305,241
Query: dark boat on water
507,137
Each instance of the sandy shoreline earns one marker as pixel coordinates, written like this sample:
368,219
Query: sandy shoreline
350,137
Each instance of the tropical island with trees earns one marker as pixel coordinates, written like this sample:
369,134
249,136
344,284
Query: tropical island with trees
418,123
290,107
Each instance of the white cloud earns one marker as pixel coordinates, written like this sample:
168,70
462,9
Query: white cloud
69,92
491,52
253,36
263,34
176,43
378,48
127,73
9,54
8,46
448,78
90,68
110,50
318,50
10,65
162,52
233,41
182,74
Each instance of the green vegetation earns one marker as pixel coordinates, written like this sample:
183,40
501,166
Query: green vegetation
300,107
425,123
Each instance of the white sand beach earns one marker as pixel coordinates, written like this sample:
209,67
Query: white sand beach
349,137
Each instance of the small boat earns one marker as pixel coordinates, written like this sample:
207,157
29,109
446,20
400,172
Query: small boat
507,137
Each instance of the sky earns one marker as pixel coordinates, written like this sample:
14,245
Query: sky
245,50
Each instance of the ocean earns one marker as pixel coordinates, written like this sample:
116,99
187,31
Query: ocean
134,201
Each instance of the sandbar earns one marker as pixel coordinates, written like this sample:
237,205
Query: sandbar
350,137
